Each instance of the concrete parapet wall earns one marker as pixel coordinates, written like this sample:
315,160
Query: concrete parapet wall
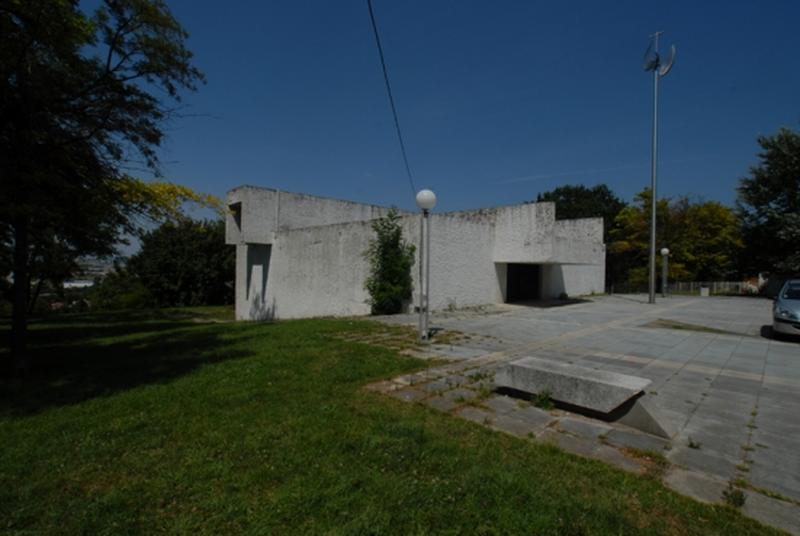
462,270
581,229
263,212
523,233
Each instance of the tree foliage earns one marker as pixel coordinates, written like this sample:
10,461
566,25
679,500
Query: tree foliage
769,206
390,259
81,96
186,263
578,201
119,289
703,239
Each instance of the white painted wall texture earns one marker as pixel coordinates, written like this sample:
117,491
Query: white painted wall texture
302,256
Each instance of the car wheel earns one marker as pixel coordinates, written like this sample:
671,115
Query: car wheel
775,334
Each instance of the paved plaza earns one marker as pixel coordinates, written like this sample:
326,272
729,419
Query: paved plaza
730,394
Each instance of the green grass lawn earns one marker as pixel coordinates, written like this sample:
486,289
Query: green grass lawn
175,422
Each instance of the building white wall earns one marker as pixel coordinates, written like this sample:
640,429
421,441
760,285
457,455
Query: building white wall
320,271
523,233
262,212
572,279
299,261
462,270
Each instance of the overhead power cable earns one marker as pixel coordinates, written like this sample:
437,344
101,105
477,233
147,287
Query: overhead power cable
391,99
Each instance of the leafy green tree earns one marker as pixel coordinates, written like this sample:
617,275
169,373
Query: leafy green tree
118,289
186,263
769,206
629,242
50,264
578,201
703,238
80,95
390,259
706,237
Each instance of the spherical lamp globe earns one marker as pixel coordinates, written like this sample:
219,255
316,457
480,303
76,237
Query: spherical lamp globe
426,199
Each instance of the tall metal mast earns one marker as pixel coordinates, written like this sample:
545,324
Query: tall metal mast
652,62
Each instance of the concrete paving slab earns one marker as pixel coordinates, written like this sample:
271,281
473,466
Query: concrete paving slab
781,514
780,399
456,352
710,444
501,404
701,460
460,395
438,386
614,457
729,404
736,385
786,482
571,444
474,414
534,416
702,487
715,426
511,425
441,403
634,440
455,380
785,425
589,429
765,439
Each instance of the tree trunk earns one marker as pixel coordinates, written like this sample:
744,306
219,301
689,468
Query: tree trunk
19,325
35,295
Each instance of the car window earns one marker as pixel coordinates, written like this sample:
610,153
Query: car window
792,291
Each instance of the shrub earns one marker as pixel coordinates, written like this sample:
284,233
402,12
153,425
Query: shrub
119,289
390,257
186,263
733,496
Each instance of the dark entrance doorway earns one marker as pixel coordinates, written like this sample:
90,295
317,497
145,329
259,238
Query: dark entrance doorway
523,282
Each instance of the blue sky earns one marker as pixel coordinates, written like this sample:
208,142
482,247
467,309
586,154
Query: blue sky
497,100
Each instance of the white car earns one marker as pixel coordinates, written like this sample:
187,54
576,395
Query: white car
786,310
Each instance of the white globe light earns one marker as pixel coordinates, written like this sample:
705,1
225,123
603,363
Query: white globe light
426,199
665,251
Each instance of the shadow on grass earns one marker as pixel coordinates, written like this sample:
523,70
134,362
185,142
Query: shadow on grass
61,335
71,364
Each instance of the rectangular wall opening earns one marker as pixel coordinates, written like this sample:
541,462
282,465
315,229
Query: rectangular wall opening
523,282
236,212
258,257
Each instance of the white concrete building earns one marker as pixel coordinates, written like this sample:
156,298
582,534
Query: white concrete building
301,256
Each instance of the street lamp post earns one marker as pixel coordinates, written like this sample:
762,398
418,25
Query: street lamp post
664,261
426,200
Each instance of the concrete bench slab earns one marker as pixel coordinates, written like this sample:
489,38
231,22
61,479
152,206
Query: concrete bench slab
609,396
597,390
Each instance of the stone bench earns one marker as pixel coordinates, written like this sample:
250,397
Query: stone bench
617,397
597,390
